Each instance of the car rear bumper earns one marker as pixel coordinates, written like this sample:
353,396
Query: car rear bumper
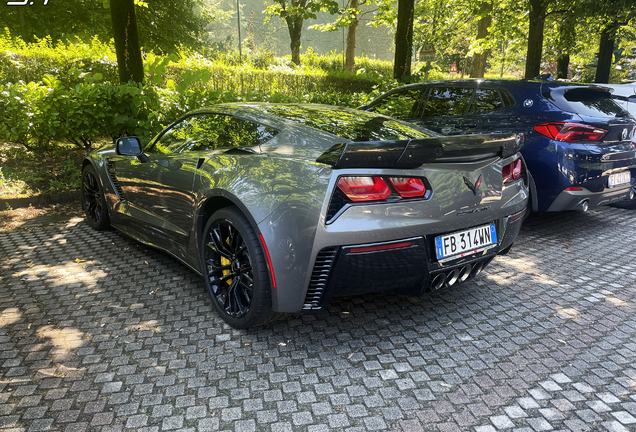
583,199
413,270
564,165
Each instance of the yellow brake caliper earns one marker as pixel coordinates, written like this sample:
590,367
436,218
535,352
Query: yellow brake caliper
226,262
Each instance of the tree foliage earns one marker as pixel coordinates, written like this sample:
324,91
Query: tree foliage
164,25
294,13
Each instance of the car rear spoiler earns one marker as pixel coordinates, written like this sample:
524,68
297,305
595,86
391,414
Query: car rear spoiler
416,152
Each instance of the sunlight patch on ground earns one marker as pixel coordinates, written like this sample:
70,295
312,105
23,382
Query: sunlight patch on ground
508,269
151,325
63,340
616,301
9,316
568,313
65,274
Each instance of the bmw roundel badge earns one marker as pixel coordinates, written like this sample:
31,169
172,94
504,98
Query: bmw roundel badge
528,103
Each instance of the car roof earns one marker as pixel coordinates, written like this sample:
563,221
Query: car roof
299,116
261,108
626,89
495,83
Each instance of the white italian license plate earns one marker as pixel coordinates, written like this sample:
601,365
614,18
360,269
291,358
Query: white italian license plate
464,243
619,179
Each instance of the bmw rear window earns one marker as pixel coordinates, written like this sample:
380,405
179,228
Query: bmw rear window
349,124
586,101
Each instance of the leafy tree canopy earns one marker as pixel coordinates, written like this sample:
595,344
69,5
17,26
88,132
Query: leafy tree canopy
163,25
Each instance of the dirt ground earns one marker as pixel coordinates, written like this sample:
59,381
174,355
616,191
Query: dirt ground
33,218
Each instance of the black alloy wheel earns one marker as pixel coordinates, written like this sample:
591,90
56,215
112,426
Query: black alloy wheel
93,201
235,270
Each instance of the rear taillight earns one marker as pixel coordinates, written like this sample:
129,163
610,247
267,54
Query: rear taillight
364,188
570,132
372,188
512,171
408,187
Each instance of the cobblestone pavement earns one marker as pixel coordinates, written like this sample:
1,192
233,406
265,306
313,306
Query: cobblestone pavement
100,333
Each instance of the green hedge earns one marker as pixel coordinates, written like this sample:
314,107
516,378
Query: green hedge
36,115
67,91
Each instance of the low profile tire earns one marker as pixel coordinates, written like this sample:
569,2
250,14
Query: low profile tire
235,271
93,201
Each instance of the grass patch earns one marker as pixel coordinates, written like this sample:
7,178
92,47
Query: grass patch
24,173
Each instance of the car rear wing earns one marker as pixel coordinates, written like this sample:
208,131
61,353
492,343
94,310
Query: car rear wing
413,153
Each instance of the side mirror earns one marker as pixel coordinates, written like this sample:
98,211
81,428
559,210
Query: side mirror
128,146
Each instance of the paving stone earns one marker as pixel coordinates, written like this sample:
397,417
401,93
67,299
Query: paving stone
128,340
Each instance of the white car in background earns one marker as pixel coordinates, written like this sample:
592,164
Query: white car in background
624,95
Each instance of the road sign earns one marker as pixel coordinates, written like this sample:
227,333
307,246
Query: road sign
427,53
453,68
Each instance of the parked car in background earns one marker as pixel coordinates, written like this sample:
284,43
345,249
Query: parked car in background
579,144
281,207
624,95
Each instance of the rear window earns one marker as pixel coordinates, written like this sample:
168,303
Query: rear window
587,101
352,125
484,101
402,105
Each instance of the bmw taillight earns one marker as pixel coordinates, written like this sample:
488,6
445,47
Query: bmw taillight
512,171
408,187
570,132
364,188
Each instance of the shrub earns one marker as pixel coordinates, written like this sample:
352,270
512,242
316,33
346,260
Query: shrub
20,61
37,114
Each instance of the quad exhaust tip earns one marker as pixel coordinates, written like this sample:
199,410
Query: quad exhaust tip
451,277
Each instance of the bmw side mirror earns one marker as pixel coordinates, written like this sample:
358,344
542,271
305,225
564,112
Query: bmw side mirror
130,146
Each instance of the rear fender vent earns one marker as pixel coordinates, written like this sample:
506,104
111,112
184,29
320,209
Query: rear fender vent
319,278
336,205
110,167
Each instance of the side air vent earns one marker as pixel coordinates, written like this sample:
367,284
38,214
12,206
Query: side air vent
319,277
110,167
338,201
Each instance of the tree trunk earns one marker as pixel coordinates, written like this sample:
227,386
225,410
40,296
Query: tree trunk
295,26
23,31
129,61
605,53
563,65
403,39
538,9
566,43
478,66
350,62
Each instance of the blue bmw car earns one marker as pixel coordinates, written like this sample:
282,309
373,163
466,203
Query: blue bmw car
580,146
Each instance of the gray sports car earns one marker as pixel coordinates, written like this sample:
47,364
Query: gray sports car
281,207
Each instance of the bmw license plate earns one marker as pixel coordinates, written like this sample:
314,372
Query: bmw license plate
464,243
619,179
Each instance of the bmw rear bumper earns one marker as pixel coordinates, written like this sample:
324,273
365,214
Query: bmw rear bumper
581,200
